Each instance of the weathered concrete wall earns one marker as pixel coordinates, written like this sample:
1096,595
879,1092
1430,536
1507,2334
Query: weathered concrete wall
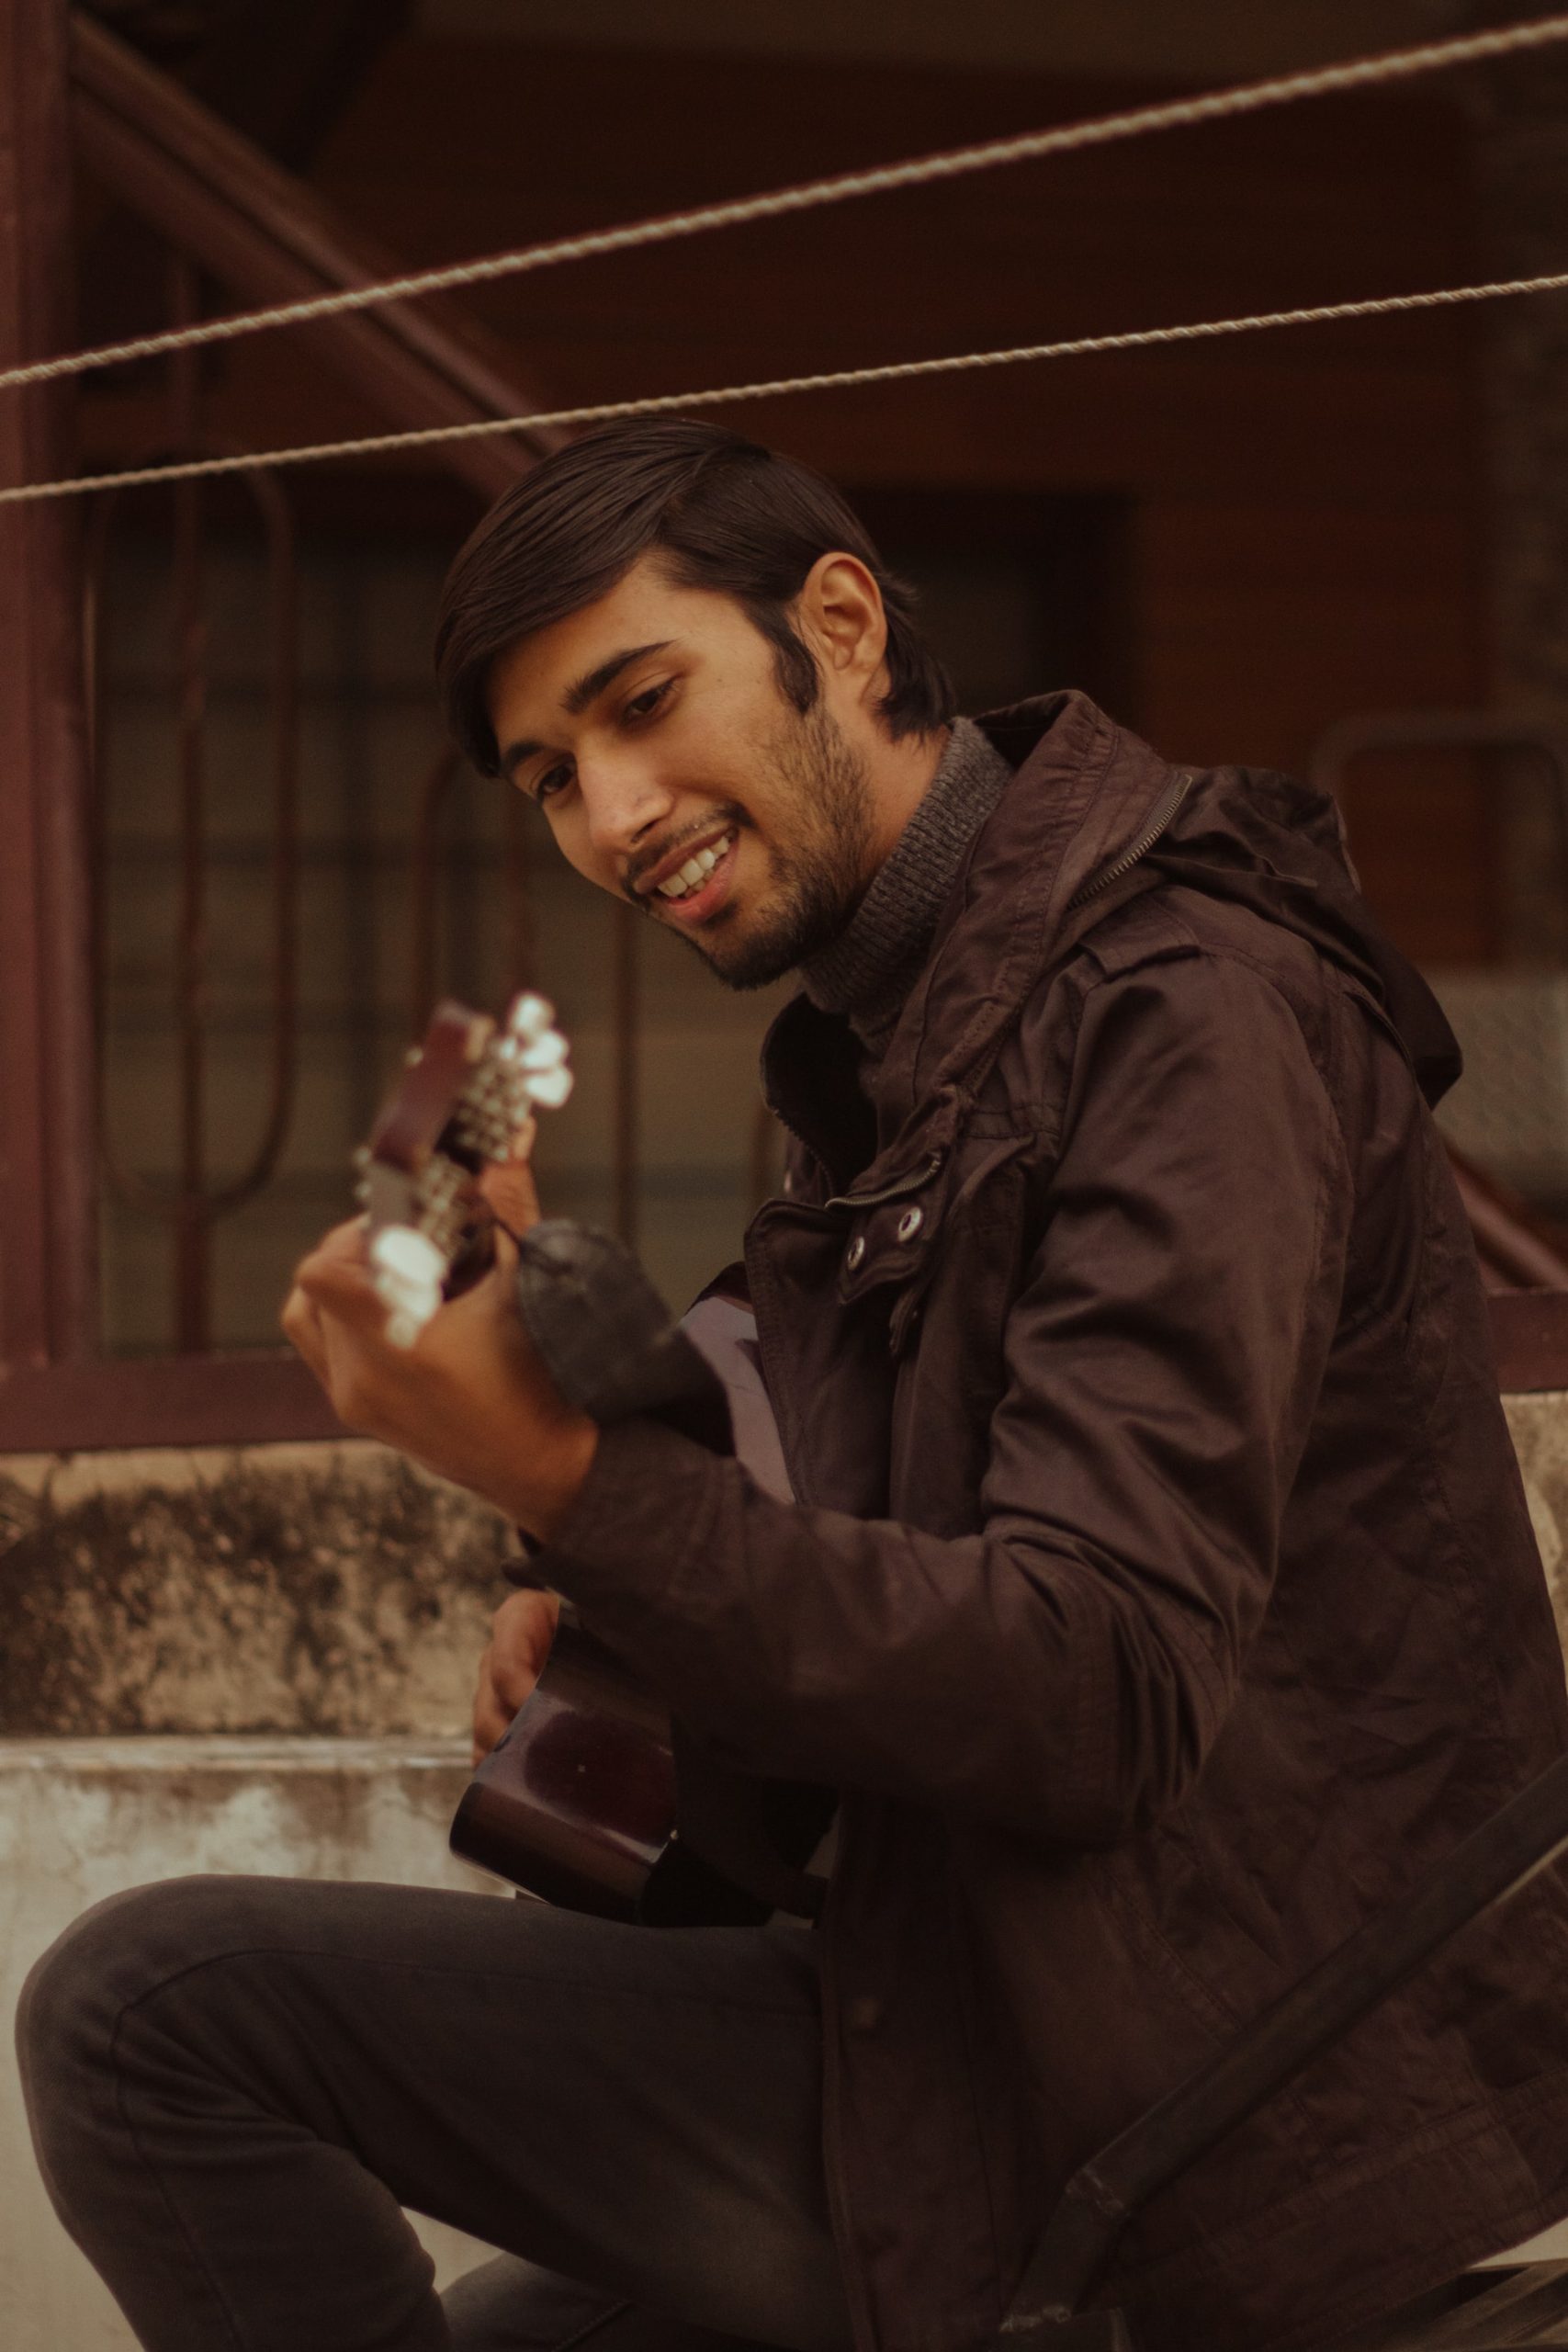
277,1591
305,1589
82,1819
316,1589
1540,1428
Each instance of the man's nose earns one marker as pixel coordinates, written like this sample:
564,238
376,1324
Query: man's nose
624,806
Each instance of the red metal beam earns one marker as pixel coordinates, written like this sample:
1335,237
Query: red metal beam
175,1400
269,239
1519,1247
48,1255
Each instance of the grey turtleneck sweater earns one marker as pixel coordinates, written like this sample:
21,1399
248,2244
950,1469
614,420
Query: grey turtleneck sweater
870,968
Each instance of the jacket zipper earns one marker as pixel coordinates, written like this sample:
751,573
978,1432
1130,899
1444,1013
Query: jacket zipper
1170,801
893,1191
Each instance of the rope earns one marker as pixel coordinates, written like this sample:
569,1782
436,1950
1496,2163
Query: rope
1249,98
897,372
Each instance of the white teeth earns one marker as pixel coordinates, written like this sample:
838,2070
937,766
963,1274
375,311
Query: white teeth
695,870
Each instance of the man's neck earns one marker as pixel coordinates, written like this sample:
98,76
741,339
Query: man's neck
867,971
904,774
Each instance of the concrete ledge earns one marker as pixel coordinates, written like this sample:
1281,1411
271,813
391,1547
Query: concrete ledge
84,1818
332,1589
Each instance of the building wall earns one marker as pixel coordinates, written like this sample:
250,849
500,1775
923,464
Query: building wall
1305,526
1255,537
1305,502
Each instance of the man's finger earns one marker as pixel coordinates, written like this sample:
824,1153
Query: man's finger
344,1287
489,1726
350,1240
511,1194
490,1717
302,1329
342,1251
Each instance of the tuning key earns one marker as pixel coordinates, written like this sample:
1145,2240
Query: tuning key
546,1052
408,1272
529,1016
550,1087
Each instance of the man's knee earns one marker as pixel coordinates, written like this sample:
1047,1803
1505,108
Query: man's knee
115,1955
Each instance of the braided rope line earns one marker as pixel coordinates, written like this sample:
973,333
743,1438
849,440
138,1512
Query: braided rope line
1247,97
892,372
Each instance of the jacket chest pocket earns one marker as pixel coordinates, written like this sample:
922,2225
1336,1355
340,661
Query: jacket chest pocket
904,1238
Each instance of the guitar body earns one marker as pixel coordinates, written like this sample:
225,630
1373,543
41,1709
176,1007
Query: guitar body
576,1802
592,1798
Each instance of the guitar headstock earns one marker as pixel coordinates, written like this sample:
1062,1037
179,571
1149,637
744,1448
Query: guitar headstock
463,1096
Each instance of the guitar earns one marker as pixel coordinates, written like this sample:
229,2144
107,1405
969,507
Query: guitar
464,1094
593,1798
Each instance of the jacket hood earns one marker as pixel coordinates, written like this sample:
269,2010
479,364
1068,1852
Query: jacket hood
1264,839
1277,846
1091,818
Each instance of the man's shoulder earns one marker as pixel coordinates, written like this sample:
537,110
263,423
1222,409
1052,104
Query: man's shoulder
1200,962
1175,923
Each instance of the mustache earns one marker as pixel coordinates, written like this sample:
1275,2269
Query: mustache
727,815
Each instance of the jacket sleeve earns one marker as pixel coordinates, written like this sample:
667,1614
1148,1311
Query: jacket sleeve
1065,1669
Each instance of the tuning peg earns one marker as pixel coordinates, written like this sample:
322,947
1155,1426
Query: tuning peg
409,1272
529,1016
546,1052
550,1087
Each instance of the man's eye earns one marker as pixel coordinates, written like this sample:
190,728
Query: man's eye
643,706
553,780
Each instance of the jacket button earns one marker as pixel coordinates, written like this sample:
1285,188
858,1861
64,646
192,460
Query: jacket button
864,2014
855,1252
911,1223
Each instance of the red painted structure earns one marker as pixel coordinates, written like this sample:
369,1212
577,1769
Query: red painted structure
224,210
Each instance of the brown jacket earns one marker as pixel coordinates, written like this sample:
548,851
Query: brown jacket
1161,1594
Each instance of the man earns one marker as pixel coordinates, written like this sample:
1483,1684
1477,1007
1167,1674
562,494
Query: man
1160,1595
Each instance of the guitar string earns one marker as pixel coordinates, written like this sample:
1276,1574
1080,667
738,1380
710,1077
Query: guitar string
895,371
1247,97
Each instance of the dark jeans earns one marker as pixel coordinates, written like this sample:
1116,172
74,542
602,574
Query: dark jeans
234,2082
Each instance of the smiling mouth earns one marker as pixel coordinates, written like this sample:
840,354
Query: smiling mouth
699,887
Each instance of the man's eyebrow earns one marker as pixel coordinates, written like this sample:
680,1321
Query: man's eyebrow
580,693
593,683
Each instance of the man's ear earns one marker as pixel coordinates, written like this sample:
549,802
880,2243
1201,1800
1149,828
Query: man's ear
839,613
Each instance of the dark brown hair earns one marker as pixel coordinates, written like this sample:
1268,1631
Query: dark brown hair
724,513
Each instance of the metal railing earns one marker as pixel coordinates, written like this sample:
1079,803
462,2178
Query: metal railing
234,227
193,1204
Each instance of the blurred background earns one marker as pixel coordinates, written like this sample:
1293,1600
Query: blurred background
239,864
1339,546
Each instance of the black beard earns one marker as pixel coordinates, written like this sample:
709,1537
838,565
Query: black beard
822,875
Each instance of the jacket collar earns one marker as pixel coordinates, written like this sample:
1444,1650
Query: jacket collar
1082,791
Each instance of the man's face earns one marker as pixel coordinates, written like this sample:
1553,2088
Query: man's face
651,729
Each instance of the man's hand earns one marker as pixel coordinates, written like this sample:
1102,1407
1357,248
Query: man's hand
520,1633
469,1400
